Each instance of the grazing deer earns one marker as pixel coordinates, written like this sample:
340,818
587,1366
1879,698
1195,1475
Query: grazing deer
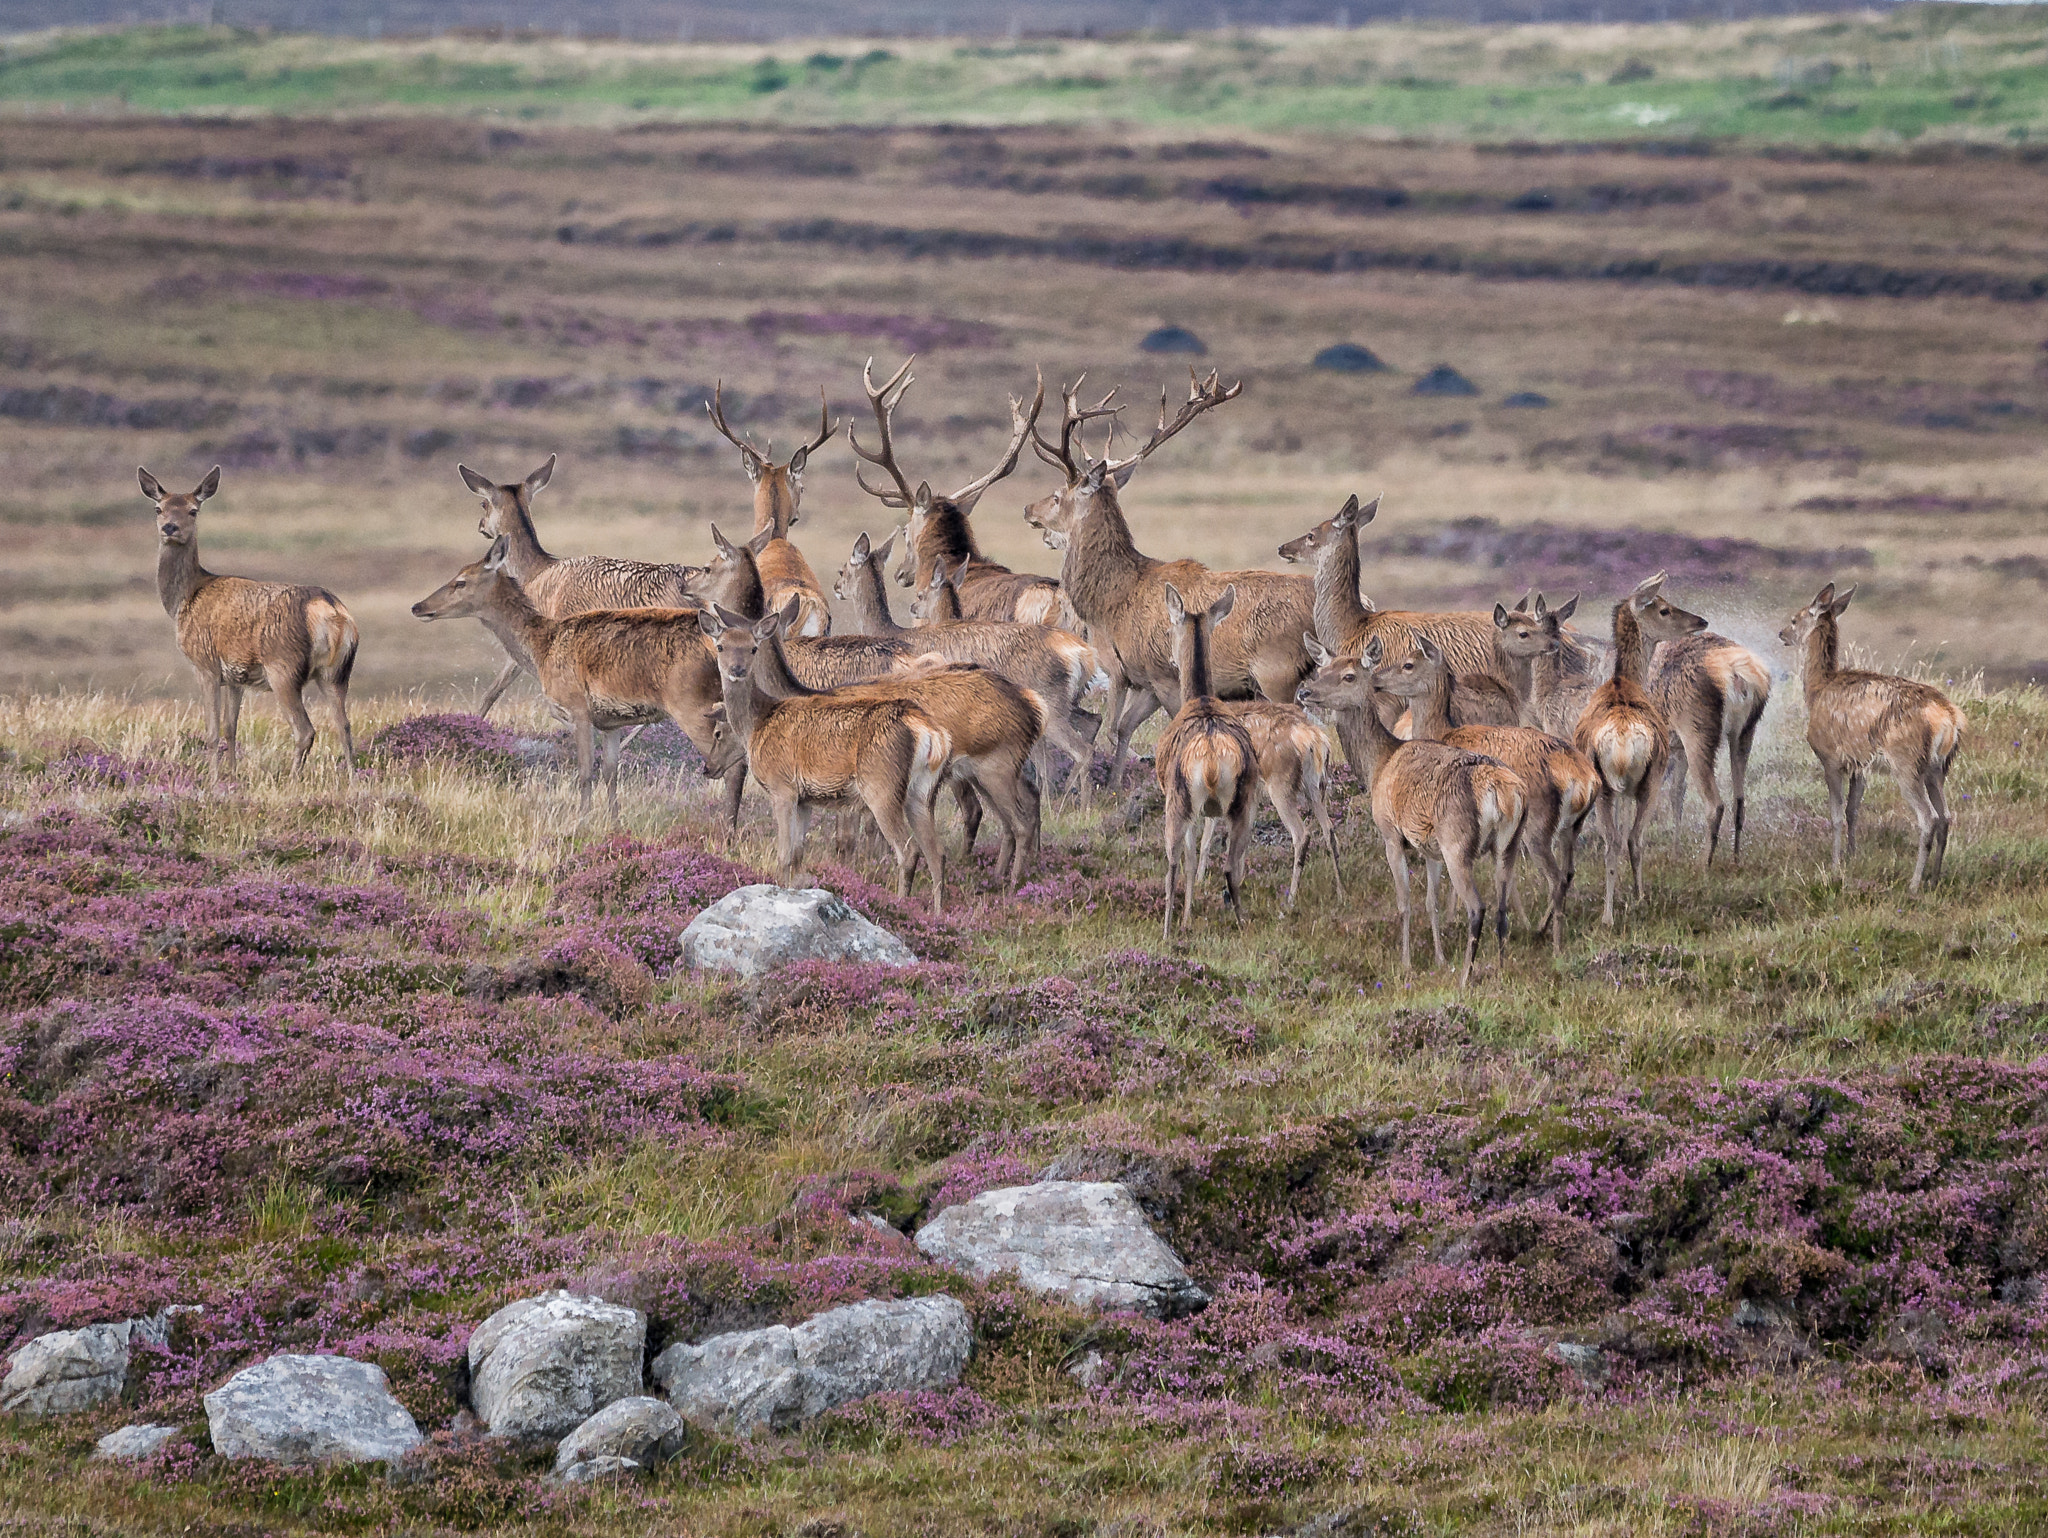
1119,592
239,634
606,670
1854,718
559,587
778,489
1056,665
938,530
1450,806
1712,690
1623,732
1294,771
810,750
1559,782
1205,761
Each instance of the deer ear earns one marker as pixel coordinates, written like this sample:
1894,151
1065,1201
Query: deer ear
861,552
1522,607
788,612
1176,610
150,486
1500,616
888,545
1318,653
1841,600
1427,647
1824,597
751,463
1350,507
475,482
1373,652
1647,588
709,622
796,461
762,540
719,542
1219,611
1567,609
1123,476
1370,510
209,486
500,548
541,477
922,502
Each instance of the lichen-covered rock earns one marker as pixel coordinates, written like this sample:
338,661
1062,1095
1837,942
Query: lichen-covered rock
310,1409
133,1443
591,1470
67,1370
761,927
780,1377
543,1366
642,1429
1086,1242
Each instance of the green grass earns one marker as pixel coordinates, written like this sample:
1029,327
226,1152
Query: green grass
1938,71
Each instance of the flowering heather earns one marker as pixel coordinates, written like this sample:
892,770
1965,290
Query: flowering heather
640,896
466,742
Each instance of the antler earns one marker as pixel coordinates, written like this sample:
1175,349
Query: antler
885,403
1022,425
1071,418
1203,395
825,426
717,410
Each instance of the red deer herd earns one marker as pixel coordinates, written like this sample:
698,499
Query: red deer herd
1476,734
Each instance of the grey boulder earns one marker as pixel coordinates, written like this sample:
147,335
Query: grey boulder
67,1370
759,928
543,1366
642,1430
1083,1241
133,1443
310,1409
780,1377
591,1470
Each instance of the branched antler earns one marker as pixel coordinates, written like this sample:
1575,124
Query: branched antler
717,409
1072,416
1023,424
1203,395
885,401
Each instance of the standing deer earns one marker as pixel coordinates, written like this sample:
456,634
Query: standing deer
810,750
1119,592
605,670
1451,807
778,489
240,634
1294,771
1712,690
559,587
1854,718
1559,782
1204,762
1623,732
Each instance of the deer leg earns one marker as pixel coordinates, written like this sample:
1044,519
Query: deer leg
1319,804
586,764
735,783
1914,790
1638,826
612,747
1704,770
1504,882
1397,863
1139,703
1675,771
1173,842
969,803
1459,869
1076,745
1837,783
289,687
1296,826
892,817
499,685
1208,838
1536,839
1187,886
1854,811
1738,774
210,688
1235,851
789,834
1433,873
337,705
1937,797
1603,808
230,724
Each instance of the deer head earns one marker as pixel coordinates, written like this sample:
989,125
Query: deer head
1343,524
778,489
1659,618
505,507
864,555
1827,605
1339,682
470,592
177,515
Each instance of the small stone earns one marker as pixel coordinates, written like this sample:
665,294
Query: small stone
1086,1242
1089,1370
1588,1363
644,1430
67,1370
1350,358
1444,380
591,1470
133,1443
761,927
310,1409
543,1366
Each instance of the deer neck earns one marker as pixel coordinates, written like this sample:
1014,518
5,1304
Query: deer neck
1339,615
512,618
179,574
771,676
871,601
746,709
774,505
944,535
1103,564
1429,714
1516,671
1192,655
524,557
1631,651
1364,737
740,588
1823,654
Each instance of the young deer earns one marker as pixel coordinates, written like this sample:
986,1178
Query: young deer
1452,807
1119,592
240,634
1559,782
819,662
1205,761
938,530
559,587
1294,769
1059,667
606,670
1623,732
810,750
1712,690
1854,718
778,489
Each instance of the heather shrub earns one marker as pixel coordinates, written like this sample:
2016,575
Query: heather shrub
466,742
640,896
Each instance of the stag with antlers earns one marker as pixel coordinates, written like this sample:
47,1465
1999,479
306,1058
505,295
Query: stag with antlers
778,491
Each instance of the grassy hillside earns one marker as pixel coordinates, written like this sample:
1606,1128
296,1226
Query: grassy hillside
1943,71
